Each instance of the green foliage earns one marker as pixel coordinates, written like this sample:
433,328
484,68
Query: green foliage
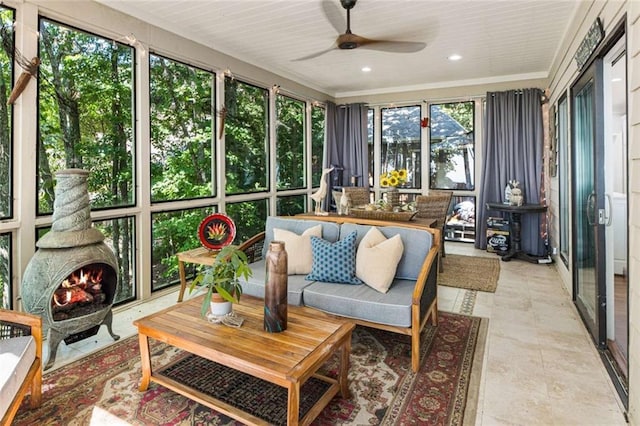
6,71
86,105
317,144
250,216
181,101
246,137
223,277
290,172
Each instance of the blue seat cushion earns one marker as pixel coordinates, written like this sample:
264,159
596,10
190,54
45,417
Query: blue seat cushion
254,286
364,303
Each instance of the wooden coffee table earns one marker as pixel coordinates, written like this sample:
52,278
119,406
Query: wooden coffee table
287,359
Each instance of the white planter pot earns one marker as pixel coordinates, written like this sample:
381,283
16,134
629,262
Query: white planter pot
220,308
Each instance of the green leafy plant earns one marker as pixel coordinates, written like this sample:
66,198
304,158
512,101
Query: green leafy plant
223,277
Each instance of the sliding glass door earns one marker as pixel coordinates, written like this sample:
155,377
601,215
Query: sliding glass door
588,201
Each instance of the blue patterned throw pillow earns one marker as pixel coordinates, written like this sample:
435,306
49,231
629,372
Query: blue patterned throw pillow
334,262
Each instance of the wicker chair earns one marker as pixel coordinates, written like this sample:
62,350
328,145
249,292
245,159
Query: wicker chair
18,379
359,195
436,206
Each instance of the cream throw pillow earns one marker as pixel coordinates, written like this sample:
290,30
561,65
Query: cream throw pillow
377,259
298,247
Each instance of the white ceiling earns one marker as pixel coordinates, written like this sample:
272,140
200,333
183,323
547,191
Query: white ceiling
499,40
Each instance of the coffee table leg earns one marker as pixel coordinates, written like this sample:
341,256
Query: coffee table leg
293,410
145,362
344,367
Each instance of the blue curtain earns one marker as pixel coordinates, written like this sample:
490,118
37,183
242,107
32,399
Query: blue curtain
513,143
346,143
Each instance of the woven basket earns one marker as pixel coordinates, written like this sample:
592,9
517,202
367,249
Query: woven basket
383,215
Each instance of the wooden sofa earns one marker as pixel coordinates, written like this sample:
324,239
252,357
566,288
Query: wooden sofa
405,308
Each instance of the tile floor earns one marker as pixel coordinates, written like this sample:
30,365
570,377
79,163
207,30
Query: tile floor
540,366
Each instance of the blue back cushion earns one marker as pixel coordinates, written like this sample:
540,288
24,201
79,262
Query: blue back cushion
334,262
417,244
330,231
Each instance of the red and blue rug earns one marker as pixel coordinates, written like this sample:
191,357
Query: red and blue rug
384,390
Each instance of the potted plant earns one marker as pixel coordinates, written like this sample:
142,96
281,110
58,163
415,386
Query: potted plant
221,280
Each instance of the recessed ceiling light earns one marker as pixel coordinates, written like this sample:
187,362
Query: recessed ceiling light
366,69
454,57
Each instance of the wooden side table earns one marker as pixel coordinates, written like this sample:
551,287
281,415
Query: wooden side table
199,256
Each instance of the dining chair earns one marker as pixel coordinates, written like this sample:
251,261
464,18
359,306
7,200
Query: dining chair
435,205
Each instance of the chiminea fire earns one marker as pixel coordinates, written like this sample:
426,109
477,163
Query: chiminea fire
79,294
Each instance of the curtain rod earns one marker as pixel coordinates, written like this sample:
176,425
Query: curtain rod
427,101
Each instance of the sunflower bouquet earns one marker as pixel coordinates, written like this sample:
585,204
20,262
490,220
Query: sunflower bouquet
393,178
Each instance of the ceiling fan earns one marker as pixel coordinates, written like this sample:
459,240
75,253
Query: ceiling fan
349,40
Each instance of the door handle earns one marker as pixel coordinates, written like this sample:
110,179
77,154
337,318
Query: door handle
608,212
591,209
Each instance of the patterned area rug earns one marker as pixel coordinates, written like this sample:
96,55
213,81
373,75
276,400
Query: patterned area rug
470,272
384,389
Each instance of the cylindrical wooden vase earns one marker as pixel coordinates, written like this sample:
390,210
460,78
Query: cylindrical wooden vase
275,288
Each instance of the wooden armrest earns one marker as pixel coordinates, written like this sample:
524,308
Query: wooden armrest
253,247
12,321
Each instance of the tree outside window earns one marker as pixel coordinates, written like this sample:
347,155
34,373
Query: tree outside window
452,146
246,137
290,143
401,143
85,114
181,104
317,144
6,137
6,133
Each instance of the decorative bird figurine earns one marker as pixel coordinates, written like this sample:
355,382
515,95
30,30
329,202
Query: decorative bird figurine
319,195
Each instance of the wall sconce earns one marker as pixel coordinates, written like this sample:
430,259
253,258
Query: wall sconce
424,122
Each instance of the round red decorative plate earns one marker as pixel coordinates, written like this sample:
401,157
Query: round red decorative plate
216,231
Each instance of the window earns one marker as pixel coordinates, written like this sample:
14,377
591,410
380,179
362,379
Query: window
317,144
401,141
116,232
251,216
6,133
290,206
563,177
85,114
290,143
171,233
181,108
461,225
246,137
452,146
5,271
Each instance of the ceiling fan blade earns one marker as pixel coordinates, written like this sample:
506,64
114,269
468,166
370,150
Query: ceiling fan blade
334,15
314,55
393,46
